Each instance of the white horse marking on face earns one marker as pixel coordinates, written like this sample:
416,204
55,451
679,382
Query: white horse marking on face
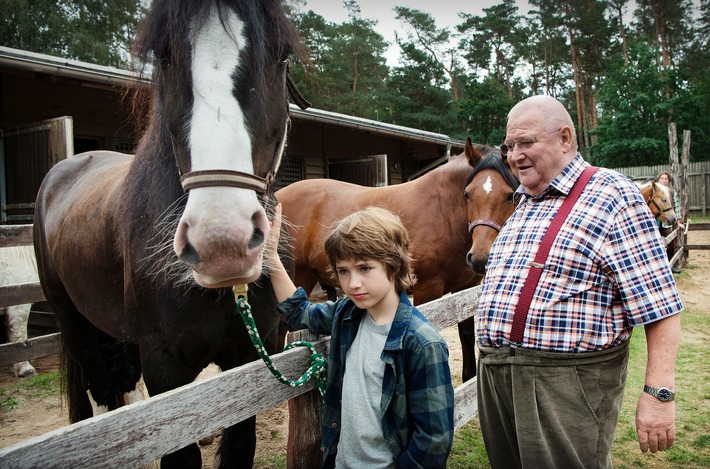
218,131
488,185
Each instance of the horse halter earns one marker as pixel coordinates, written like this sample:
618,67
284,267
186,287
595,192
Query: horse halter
483,221
240,179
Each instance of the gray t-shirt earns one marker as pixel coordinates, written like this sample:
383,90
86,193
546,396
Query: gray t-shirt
362,443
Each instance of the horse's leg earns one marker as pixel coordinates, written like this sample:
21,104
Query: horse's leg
467,336
86,377
161,373
238,445
17,317
330,291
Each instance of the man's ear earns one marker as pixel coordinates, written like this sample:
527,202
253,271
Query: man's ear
566,136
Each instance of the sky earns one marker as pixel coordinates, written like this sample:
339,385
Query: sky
444,12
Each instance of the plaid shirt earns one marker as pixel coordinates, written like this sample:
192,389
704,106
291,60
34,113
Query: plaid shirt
607,270
417,408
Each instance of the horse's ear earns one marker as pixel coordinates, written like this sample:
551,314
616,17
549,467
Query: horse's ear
472,155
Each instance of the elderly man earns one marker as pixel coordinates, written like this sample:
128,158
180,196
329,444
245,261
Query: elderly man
551,397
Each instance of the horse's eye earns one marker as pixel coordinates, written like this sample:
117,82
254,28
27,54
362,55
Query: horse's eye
466,195
510,196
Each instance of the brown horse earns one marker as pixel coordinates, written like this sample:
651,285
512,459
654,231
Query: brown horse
452,214
134,253
660,200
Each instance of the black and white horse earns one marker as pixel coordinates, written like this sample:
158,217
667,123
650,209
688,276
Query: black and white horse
135,253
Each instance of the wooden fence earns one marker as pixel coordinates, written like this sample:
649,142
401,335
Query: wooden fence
140,433
145,431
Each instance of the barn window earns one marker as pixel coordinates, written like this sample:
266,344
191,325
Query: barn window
124,145
290,171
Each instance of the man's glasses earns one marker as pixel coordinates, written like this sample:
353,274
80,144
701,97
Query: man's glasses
522,144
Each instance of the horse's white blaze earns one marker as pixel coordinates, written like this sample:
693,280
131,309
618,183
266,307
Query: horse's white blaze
218,131
488,185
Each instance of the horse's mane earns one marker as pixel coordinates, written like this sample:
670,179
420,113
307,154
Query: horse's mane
493,160
665,189
165,34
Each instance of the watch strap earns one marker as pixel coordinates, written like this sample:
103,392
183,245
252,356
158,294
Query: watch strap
662,394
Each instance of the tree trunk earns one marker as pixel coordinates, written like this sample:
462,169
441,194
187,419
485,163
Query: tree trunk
622,31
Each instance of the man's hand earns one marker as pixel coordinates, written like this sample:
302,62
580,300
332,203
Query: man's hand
655,423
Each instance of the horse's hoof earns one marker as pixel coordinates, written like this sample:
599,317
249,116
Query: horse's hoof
24,370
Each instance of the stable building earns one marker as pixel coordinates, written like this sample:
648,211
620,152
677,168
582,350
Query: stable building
52,108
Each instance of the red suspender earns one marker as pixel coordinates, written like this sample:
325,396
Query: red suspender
526,296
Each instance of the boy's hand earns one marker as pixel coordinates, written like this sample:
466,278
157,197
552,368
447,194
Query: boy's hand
272,242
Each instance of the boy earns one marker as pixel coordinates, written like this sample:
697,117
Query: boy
389,399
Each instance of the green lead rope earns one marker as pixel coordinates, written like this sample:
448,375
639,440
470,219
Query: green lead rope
319,364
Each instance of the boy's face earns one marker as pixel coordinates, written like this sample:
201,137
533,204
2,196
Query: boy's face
366,282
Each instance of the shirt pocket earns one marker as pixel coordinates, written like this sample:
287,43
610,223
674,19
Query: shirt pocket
576,272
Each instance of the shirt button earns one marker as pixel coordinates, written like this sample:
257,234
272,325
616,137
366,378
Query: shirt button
333,425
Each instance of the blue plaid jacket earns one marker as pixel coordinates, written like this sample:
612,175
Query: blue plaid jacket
417,407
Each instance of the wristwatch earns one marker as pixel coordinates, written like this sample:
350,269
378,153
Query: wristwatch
662,394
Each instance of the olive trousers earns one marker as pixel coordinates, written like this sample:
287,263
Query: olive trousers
550,410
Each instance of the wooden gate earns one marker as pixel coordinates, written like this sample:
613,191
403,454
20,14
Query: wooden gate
28,153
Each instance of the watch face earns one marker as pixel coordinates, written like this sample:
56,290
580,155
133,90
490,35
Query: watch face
664,394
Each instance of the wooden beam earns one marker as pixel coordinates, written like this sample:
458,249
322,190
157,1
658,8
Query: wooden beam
21,294
30,349
15,235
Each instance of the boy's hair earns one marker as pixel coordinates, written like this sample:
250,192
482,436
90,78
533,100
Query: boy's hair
372,233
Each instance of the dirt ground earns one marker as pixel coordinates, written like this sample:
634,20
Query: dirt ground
39,415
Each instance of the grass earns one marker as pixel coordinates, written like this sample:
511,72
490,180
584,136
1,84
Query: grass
38,387
692,446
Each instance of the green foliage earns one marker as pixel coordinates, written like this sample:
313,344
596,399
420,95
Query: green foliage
92,31
44,385
38,387
347,66
633,128
7,402
468,450
484,110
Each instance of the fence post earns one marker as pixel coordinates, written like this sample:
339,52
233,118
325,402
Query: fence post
673,153
304,421
682,236
703,193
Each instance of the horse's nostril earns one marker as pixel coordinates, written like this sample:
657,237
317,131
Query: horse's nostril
189,255
257,238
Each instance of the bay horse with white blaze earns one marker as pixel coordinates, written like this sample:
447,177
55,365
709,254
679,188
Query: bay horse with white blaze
452,214
135,252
